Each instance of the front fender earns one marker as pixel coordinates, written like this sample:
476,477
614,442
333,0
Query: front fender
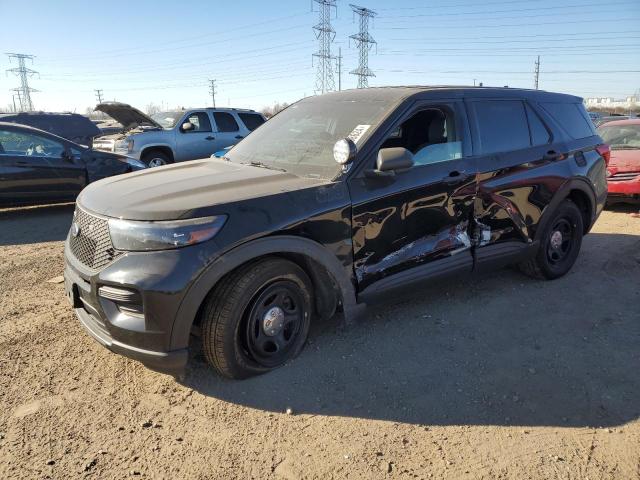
242,254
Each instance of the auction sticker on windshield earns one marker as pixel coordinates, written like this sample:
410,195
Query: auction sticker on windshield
358,132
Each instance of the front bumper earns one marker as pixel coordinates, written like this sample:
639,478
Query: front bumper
624,189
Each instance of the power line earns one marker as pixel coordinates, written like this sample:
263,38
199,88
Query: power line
325,35
364,42
24,90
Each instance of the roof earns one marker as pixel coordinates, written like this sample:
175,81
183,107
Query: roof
617,123
392,93
35,131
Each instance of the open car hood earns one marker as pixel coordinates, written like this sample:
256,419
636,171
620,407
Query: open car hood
126,115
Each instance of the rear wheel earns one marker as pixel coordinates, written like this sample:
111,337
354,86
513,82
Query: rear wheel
560,244
156,158
257,319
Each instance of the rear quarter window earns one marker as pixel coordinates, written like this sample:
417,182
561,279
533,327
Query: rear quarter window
251,120
572,118
502,125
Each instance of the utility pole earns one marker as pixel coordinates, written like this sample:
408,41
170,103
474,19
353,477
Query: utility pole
364,42
24,91
212,91
340,69
536,77
98,95
325,34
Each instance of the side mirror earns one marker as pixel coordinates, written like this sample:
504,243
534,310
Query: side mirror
186,127
393,159
67,155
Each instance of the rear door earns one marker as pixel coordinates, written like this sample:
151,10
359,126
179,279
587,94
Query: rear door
198,142
228,131
409,225
521,166
35,167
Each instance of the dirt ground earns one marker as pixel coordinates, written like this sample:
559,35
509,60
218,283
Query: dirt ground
493,377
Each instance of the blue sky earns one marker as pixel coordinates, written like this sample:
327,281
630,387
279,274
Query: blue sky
164,52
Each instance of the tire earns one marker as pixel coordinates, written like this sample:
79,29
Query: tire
156,158
257,319
560,244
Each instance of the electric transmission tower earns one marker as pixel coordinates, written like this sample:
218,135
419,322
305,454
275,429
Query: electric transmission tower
24,91
212,91
364,42
325,34
536,75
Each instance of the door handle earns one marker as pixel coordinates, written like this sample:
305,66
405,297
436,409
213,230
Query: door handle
239,137
553,155
209,138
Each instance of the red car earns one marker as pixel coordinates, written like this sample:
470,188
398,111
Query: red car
623,172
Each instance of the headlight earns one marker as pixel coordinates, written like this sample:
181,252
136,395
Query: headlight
121,146
136,236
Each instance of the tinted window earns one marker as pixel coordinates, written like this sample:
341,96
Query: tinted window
225,122
539,133
200,122
28,145
251,120
502,125
571,117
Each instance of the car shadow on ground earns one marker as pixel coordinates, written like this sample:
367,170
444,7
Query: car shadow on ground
28,225
498,349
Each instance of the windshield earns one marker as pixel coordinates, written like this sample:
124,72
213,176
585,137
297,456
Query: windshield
167,119
300,139
620,137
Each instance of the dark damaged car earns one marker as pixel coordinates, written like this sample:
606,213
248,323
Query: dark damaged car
39,167
339,201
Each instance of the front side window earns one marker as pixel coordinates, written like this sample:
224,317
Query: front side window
200,122
430,135
300,139
225,122
502,125
28,145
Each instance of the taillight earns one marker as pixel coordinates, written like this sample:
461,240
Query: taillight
605,152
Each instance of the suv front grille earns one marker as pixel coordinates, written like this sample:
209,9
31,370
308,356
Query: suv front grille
91,245
623,177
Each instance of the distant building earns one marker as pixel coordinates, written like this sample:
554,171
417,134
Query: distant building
609,102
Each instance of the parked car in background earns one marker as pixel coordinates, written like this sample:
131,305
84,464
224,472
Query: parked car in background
72,126
39,167
339,201
623,172
595,116
175,136
609,118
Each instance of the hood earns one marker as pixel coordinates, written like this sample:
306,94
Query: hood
186,189
625,161
126,115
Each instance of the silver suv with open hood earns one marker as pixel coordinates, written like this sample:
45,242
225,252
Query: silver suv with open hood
176,135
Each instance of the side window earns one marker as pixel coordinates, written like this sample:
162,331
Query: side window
429,134
28,145
539,133
502,125
225,122
571,118
251,120
200,122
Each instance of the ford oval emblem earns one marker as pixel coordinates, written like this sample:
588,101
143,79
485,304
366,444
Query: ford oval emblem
75,229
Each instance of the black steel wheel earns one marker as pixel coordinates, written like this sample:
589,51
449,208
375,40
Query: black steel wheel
560,244
257,318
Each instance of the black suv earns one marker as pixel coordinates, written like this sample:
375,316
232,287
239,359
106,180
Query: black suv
332,204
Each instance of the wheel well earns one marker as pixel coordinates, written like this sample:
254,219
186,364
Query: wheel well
166,150
327,296
583,202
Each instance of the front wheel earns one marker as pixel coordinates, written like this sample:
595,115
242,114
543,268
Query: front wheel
257,319
156,159
560,244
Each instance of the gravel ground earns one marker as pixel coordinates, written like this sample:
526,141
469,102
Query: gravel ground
497,376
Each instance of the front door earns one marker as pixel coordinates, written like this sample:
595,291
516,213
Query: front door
36,168
199,142
416,222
